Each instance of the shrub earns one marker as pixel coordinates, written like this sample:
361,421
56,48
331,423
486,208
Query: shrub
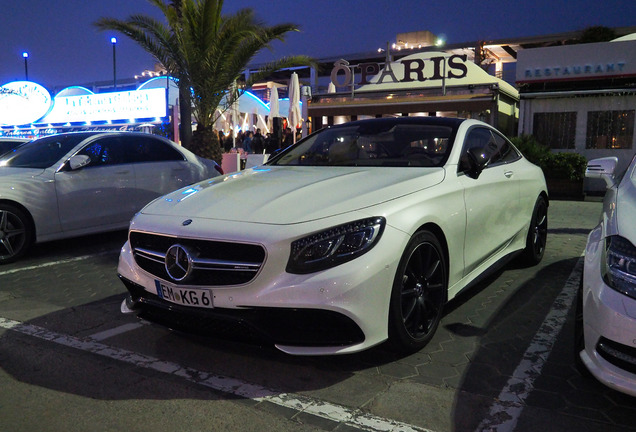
532,149
565,166
558,166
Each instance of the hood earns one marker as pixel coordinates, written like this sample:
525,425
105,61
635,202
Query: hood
18,173
286,195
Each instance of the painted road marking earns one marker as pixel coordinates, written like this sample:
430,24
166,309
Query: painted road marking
303,404
116,331
59,262
505,413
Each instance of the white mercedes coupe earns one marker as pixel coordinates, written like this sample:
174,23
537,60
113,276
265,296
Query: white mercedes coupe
357,234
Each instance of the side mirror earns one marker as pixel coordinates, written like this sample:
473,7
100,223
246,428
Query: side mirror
602,168
78,161
478,160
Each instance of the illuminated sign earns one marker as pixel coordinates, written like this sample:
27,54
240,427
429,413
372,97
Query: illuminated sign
410,69
108,106
23,102
575,62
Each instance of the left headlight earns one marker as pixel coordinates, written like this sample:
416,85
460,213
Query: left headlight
619,265
334,246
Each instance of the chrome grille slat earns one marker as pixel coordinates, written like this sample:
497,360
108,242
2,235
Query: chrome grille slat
213,262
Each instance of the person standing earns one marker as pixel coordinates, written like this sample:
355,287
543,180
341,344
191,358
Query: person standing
258,144
247,142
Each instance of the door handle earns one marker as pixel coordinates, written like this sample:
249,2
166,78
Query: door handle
509,173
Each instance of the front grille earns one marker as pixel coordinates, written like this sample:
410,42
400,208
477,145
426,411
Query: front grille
214,263
619,355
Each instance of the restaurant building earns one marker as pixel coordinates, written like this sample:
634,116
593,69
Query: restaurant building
581,98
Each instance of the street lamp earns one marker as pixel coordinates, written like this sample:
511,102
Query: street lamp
26,66
113,41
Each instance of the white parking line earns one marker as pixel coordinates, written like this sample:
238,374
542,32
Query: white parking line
505,413
54,263
305,404
116,331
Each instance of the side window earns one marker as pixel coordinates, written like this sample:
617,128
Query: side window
506,153
104,151
477,138
149,149
495,146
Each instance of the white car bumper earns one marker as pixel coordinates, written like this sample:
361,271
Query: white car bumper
609,327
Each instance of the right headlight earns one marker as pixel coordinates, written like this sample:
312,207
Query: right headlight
334,246
619,265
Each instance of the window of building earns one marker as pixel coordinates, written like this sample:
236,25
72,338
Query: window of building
610,129
556,130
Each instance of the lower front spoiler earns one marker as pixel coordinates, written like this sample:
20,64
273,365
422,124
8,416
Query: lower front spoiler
281,326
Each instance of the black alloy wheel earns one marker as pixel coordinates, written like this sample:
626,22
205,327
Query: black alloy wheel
16,234
537,234
419,293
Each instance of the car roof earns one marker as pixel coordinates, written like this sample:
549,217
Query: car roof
88,134
388,121
14,139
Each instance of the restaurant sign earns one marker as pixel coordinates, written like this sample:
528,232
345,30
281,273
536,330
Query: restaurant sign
26,102
575,62
23,102
411,69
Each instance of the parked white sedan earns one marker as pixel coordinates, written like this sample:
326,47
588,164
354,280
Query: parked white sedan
79,183
606,305
357,234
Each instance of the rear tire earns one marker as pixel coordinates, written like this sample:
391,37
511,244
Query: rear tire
537,233
419,293
16,233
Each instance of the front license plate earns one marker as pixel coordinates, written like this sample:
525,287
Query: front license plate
185,296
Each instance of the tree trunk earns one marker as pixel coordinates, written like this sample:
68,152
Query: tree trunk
205,143
185,113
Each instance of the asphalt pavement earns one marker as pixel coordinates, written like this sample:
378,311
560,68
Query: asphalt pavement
502,358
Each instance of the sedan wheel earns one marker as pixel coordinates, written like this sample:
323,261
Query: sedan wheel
16,235
537,234
419,293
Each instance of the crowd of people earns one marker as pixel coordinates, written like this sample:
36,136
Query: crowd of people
256,142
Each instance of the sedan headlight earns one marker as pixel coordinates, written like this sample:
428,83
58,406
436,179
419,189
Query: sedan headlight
334,246
619,265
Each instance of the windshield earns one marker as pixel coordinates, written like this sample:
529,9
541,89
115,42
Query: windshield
43,152
404,145
8,145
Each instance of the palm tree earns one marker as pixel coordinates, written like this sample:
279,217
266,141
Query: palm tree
206,52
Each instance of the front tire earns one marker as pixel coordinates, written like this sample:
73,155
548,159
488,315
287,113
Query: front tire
419,293
16,234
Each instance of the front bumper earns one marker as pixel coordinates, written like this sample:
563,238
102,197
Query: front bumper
284,326
609,327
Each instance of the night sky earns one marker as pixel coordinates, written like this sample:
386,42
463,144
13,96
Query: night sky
66,49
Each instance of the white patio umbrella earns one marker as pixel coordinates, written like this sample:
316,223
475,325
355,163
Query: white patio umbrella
235,116
273,108
294,116
331,88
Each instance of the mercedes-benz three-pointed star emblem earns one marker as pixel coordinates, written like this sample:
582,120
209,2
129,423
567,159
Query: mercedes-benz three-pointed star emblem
178,262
